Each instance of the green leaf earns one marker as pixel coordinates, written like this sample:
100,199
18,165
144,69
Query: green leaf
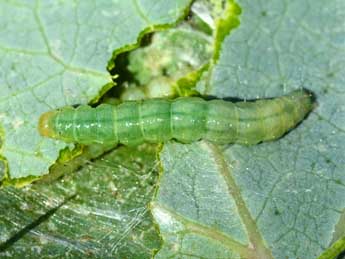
183,49
98,212
199,207
55,53
281,199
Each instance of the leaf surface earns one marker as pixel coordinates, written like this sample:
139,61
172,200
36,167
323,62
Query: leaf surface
97,212
55,53
281,199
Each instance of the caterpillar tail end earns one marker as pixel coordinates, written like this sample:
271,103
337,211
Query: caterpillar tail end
45,124
308,100
304,99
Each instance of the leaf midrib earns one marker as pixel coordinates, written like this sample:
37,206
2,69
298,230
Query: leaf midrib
257,243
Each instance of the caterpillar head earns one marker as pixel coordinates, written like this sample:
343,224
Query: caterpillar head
45,124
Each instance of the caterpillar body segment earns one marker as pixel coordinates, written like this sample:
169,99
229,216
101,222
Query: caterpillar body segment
185,119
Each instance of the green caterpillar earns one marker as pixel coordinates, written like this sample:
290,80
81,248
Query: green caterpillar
185,119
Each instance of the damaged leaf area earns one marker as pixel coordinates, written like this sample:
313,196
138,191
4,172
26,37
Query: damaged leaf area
171,62
55,54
